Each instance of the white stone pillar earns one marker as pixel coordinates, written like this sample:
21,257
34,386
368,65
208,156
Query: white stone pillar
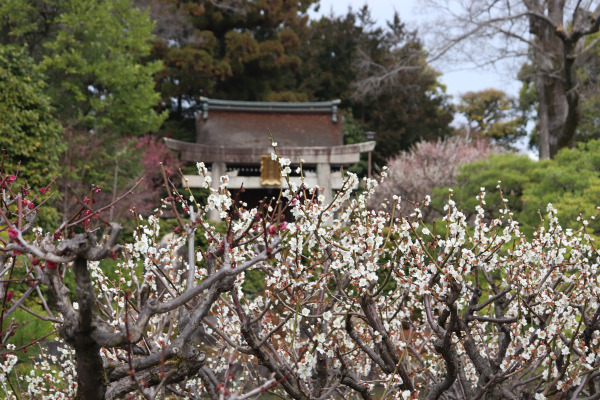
324,180
217,171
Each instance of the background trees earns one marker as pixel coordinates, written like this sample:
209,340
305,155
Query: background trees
28,126
271,52
394,91
553,33
491,114
414,174
90,56
243,50
101,65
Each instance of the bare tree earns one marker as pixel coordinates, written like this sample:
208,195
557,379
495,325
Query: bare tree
555,33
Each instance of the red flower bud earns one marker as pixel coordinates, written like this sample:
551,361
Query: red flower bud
283,226
271,230
44,190
11,178
51,265
13,234
35,261
9,296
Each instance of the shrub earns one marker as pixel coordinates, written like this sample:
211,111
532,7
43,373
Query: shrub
570,182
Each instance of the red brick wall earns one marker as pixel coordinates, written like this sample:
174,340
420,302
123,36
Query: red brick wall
247,129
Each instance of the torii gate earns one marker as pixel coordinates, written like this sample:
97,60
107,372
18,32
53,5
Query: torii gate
233,137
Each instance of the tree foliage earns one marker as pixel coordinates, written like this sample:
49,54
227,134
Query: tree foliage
28,126
491,114
345,58
241,50
570,182
91,55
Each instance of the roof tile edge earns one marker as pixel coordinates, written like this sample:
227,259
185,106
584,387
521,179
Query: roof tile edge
270,106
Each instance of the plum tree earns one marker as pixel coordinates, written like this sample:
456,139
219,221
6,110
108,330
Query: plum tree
355,303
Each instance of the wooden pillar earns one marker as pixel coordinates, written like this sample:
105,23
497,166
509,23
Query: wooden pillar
217,171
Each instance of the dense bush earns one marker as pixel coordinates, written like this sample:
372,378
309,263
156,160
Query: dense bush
360,305
571,182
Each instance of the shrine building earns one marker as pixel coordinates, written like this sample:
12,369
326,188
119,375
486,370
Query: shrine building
232,138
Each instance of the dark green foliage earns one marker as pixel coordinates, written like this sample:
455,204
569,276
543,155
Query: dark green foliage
339,63
514,171
570,182
29,131
246,51
254,282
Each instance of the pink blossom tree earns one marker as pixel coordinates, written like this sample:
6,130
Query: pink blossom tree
413,174
355,304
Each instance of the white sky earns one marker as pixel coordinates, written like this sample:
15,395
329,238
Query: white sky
458,78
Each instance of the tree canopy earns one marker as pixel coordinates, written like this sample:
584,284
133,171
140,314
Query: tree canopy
246,50
29,129
491,114
344,59
91,56
270,51
570,182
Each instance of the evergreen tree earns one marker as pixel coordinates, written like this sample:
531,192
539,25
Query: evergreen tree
245,50
90,53
345,56
29,132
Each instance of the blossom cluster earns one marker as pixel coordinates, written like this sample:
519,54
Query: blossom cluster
353,302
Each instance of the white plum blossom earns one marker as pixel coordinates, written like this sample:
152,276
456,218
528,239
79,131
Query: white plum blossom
381,302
